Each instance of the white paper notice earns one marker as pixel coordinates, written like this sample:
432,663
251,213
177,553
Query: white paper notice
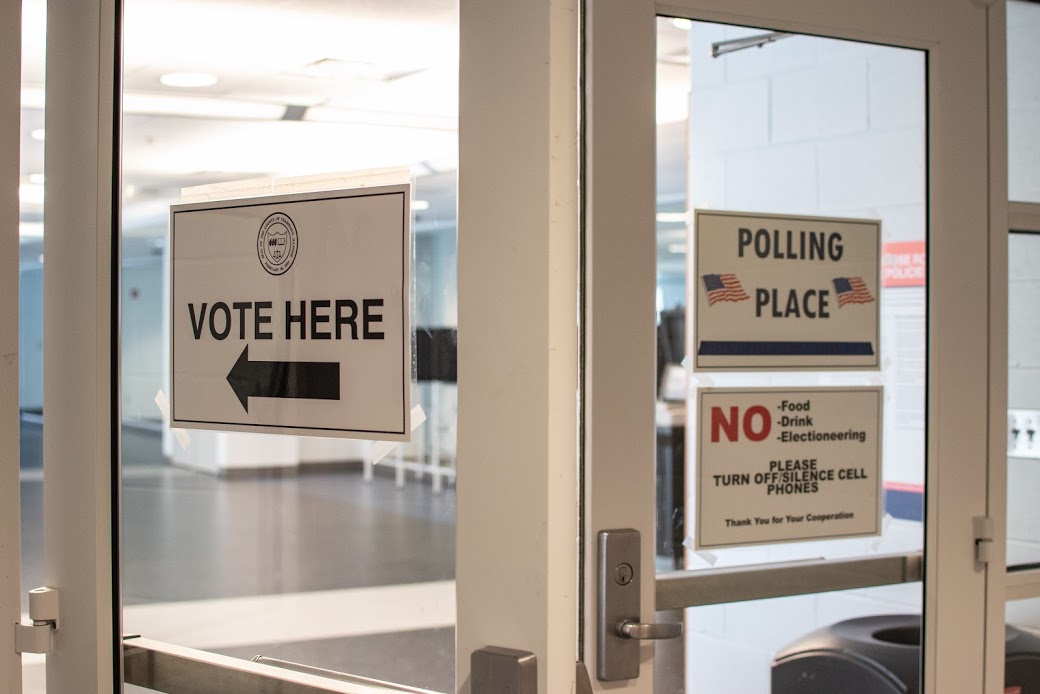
787,465
778,292
291,314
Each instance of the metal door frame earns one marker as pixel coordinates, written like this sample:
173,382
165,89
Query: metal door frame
517,524
10,487
967,304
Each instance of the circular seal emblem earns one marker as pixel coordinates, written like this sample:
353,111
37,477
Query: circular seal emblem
276,243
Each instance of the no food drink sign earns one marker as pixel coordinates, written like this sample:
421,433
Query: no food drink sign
786,465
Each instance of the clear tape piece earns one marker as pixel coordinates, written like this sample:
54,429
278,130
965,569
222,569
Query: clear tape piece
164,406
885,523
296,184
709,558
381,449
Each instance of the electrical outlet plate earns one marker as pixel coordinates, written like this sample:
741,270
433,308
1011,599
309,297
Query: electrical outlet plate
1023,434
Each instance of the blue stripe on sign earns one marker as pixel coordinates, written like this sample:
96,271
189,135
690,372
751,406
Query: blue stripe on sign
711,348
904,504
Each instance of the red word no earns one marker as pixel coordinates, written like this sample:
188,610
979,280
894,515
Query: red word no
756,423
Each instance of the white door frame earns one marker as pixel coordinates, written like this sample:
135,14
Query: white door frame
518,290
81,418
516,568
996,578
10,488
965,203
518,285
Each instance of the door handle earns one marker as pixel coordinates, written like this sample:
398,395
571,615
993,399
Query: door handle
629,629
618,626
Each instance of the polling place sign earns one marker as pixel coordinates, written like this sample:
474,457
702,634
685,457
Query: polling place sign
290,314
779,292
785,465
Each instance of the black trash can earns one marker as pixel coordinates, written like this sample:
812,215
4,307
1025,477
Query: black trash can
882,655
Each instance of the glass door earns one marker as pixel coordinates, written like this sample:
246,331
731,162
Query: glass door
1023,558
10,466
240,544
781,386
309,564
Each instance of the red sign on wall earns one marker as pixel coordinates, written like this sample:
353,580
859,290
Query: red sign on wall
903,264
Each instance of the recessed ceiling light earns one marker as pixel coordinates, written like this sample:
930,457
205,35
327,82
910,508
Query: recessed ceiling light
188,79
37,134
682,23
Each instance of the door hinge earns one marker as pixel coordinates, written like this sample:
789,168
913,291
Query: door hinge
982,527
43,611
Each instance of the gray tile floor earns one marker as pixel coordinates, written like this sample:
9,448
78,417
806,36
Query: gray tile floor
416,658
190,536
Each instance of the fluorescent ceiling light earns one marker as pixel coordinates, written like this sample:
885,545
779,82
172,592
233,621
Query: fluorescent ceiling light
672,103
31,193
165,104
146,103
188,79
677,248
30,230
420,205
32,97
682,23
672,217
37,134
36,178
383,119
335,68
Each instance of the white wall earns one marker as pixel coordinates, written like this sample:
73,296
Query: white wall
1024,289
811,126
1023,101
30,338
1023,392
142,337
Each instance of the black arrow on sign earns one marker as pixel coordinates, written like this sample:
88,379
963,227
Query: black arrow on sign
312,380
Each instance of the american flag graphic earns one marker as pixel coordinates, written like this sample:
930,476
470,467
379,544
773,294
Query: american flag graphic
852,290
724,287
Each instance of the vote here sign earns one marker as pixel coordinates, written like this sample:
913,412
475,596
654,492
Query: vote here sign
290,314
786,465
778,292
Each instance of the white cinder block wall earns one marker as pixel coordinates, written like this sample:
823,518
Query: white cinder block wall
1024,289
820,127
811,126
1023,392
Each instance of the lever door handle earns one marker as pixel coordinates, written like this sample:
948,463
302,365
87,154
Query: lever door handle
633,630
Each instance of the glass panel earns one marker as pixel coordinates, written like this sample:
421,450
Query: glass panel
1023,28
778,645
1023,523
754,121
290,547
30,318
1022,647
